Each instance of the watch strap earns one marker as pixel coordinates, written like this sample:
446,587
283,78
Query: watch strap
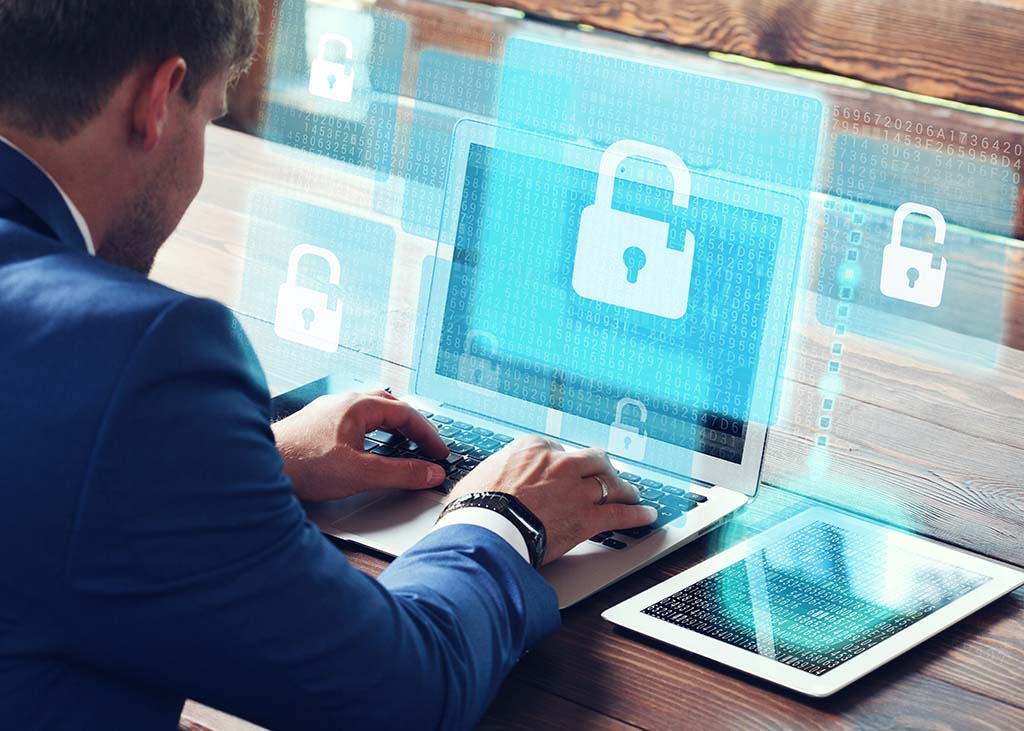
509,506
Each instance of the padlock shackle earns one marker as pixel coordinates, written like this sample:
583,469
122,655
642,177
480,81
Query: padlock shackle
472,335
620,409
908,208
303,250
328,38
618,152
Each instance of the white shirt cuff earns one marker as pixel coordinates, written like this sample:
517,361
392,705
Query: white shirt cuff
492,521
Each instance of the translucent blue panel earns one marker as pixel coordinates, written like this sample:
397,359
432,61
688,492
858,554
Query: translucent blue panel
966,324
968,190
516,303
278,287
448,89
712,124
334,83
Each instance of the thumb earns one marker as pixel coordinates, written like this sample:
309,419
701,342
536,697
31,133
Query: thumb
408,474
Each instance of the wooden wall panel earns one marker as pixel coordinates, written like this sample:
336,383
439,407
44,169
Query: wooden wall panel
970,51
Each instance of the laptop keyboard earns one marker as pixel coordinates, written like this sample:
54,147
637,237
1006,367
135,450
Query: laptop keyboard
469,445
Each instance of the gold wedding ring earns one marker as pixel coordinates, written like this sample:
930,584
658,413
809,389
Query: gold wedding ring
604,489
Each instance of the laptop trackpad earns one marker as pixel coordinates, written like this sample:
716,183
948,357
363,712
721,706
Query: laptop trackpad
393,524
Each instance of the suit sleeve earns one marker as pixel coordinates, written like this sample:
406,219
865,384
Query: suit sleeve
193,568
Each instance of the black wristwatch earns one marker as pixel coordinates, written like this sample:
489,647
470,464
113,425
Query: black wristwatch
519,515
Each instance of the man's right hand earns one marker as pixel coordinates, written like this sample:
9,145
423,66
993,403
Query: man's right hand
560,488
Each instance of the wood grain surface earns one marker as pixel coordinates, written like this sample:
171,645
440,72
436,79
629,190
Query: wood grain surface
965,50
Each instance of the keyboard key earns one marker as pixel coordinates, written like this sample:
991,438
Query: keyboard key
442,420
650,503
641,532
666,516
426,414
651,494
491,445
469,463
446,487
629,477
651,483
469,438
460,447
462,426
412,448
678,503
480,454
458,474
369,444
451,462
449,431
697,497
448,442
503,438
384,451
612,543
601,537
386,437
483,432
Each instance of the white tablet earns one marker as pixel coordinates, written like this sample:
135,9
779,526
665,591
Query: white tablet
817,601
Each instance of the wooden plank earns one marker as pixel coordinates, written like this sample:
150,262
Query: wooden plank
524,707
963,50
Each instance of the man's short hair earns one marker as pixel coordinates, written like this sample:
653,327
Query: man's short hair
61,60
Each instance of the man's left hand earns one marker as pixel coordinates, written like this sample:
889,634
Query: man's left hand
322,446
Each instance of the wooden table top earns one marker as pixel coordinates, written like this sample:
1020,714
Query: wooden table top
938,444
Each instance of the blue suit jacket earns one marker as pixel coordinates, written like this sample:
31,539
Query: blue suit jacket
151,549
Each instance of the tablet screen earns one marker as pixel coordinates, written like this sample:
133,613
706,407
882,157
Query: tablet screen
818,596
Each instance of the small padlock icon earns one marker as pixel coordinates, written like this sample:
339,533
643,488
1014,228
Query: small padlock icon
625,440
913,275
333,79
302,314
624,259
478,364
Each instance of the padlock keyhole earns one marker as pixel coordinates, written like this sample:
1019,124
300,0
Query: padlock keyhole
912,276
307,317
635,259
627,441
332,80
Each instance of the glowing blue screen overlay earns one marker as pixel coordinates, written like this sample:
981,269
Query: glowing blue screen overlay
364,251
511,322
355,127
876,179
758,133
448,87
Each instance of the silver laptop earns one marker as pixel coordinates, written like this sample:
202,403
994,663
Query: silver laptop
520,335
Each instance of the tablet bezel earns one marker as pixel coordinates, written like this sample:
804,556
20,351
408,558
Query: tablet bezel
1002,580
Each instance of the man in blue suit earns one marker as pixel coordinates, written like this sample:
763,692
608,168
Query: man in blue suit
152,546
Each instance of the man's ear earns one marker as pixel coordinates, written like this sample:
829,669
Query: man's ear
152,102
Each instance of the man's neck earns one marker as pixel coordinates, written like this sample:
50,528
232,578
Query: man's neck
78,169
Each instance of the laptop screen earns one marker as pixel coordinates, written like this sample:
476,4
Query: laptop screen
515,322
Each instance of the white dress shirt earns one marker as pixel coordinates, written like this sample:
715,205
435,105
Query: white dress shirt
490,520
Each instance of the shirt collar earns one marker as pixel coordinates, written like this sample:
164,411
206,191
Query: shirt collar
75,213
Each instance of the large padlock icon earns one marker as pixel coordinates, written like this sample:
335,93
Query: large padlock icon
478,366
626,440
333,80
913,275
302,314
625,259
